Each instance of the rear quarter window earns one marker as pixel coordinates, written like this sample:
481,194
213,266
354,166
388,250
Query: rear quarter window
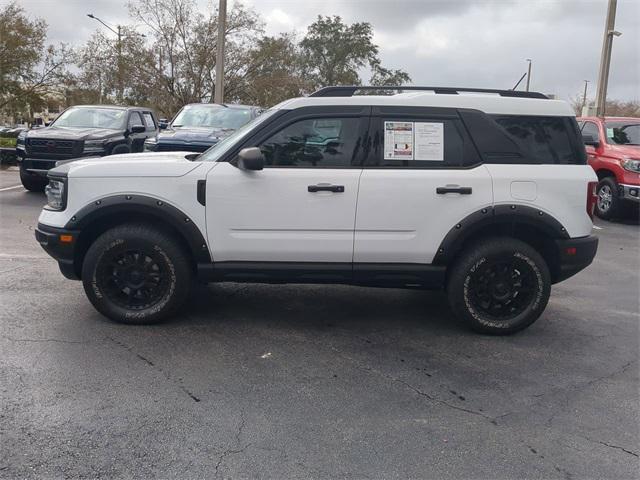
545,140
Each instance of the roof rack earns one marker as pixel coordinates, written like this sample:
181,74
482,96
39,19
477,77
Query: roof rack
349,90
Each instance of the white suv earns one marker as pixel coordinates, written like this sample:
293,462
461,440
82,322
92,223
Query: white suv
485,193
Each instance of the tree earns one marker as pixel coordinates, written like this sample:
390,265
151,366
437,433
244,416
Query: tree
28,69
613,108
274,72
334,54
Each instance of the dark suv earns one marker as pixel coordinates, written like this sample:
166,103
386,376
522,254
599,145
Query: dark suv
82,131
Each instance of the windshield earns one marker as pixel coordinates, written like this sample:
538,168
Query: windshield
623,133
212,116
222,147
91,118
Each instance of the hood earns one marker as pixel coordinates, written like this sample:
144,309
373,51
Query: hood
625,150
68,133
161,164
207,135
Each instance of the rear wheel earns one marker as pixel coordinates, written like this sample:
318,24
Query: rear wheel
33,183
607,201
136,274
499,286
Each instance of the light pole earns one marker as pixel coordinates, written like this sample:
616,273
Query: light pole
119,52
605,58
584,97
528,74
222,26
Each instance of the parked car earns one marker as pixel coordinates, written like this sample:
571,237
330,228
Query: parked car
613,150
486,196
199,126
82,131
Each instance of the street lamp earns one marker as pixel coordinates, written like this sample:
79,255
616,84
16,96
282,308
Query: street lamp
119,50
528,74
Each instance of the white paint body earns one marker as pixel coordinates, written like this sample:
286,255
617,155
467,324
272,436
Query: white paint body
383,215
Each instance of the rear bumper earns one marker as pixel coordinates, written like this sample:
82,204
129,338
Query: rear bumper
574,254
50,239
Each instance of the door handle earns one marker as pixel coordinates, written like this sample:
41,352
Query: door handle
460,190
325,188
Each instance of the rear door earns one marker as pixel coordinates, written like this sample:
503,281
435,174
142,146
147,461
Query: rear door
301,206
421,177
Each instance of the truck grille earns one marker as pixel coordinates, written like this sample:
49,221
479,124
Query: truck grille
44,147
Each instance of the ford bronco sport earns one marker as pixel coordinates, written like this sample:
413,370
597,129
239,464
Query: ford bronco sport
484,193
82,131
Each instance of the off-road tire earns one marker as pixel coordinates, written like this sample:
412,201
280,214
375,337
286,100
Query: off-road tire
136,274
499,286
33,183
607,189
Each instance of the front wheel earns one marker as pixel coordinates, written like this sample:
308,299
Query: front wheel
499,286
136,274
607,201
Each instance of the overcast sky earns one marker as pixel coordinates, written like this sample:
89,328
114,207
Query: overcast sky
474,43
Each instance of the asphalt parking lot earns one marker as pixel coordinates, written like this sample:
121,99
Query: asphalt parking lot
314,381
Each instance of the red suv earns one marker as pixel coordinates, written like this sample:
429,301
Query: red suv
613,150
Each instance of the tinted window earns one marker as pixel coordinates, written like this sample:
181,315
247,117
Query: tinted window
148,121
542,139
591,128
315,143
426,142
135,119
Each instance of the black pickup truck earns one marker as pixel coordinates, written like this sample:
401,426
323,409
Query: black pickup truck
79,132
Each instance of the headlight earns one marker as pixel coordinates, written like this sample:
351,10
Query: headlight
56,193
94,145
631,164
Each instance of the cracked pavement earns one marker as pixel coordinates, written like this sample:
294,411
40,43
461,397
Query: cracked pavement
257,381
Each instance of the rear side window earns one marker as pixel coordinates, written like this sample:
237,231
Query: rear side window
545,140
314,143
148,121
419,142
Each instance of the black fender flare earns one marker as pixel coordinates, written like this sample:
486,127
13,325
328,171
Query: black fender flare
510,214
147,206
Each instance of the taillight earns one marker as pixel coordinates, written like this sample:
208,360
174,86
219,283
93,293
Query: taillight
592,196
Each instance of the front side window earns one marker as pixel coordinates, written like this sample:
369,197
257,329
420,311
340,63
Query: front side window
542,139
82,117
623,133
314,143
135,119
591,129
211,116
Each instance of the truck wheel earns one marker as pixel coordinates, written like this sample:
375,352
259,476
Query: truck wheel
33,183
120,149
499,286
136,274
607,202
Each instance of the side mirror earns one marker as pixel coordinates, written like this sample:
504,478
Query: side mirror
163,125
589,140
138,129
251,159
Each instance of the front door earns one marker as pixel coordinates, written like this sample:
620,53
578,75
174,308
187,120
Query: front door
301,207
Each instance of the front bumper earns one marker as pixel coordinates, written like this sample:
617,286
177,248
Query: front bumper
630,192
41,166
60,243
574,255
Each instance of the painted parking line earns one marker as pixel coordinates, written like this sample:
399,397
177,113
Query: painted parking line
11,188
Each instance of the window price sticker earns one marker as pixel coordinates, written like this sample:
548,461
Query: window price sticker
414,141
